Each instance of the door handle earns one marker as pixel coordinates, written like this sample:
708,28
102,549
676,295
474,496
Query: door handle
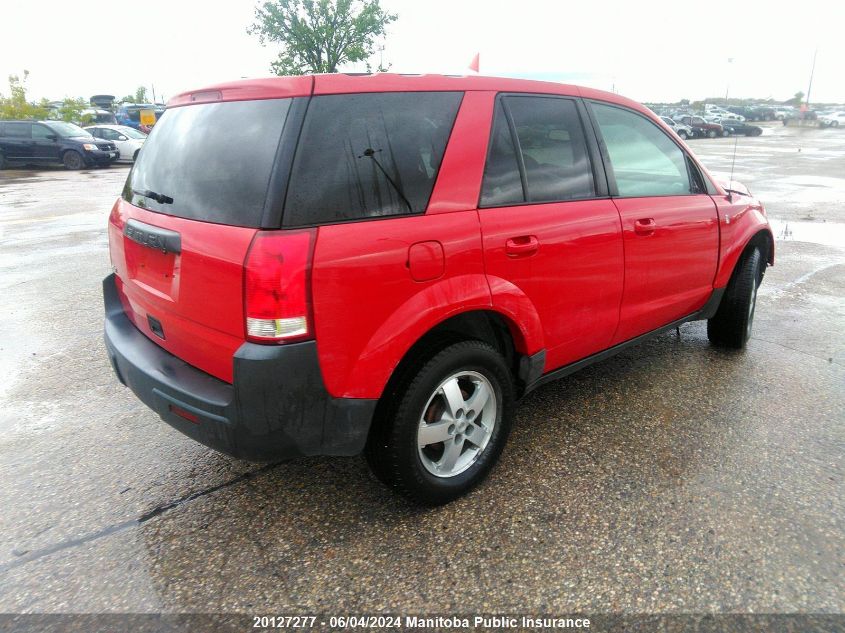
522,246
645,226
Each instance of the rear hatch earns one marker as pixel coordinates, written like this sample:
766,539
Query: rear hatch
181,231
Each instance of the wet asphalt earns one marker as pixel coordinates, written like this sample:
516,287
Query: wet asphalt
675,477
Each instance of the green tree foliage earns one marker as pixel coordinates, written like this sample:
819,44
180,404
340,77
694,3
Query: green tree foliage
318,36
140,96
71,111
796,99
15,106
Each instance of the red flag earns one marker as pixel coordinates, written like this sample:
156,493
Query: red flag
473,65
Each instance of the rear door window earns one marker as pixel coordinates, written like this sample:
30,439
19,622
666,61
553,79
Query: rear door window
210,162
645,161
551,145
554,150
368,155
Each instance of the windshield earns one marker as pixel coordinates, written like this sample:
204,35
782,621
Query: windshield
66,129
131,133
210,162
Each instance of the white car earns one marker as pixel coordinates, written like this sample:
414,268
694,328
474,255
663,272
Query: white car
716,111
684,131
128,140
833,119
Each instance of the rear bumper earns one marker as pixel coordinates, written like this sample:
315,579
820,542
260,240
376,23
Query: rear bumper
277,407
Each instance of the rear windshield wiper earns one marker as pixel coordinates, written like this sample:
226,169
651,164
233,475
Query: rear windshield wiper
158,197
371,153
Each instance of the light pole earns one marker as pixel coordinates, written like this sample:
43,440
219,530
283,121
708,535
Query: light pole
812,72
728,81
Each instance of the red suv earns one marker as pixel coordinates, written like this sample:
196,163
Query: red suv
325,265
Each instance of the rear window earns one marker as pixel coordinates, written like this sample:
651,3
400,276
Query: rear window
368,155
213,160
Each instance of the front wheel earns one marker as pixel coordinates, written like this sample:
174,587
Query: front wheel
682,133
73,160
834,124
731,326
448,425
711,134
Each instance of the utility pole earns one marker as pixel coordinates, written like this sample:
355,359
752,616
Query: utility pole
812,72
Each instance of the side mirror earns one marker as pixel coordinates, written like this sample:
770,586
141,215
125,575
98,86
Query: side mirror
52,137
122,138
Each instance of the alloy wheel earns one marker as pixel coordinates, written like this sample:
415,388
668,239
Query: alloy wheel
457,423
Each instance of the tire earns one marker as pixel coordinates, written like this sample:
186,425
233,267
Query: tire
834,124
135,155
726,132
73,160
711,133
731,325
684,136
439,471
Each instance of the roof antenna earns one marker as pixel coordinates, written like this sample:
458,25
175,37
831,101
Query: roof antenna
736,138
733,162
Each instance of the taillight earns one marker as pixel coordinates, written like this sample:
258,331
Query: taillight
277,292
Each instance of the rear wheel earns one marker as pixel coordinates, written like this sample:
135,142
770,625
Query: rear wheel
448,426
711,133
731,326
683,134
834,124
73,160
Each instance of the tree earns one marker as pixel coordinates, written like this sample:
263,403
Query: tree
140,96
71,111
318,36
15,106
796,99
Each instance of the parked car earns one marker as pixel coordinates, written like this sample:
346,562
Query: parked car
738,127
52,142
331,264
96,116
702,127
782,114
128,140
722,113
129,114
833,119
764,113
746,112
684,131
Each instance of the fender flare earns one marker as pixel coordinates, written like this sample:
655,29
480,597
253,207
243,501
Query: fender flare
756,229
424,311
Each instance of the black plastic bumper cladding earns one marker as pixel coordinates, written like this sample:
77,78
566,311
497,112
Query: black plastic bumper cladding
276,408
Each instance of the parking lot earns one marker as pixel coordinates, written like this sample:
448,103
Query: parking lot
674,477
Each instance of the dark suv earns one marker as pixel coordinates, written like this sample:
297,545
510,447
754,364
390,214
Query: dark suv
52,142
333,264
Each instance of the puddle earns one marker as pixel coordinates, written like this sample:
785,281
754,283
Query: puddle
825,233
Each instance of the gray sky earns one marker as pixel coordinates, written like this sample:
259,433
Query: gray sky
649,51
